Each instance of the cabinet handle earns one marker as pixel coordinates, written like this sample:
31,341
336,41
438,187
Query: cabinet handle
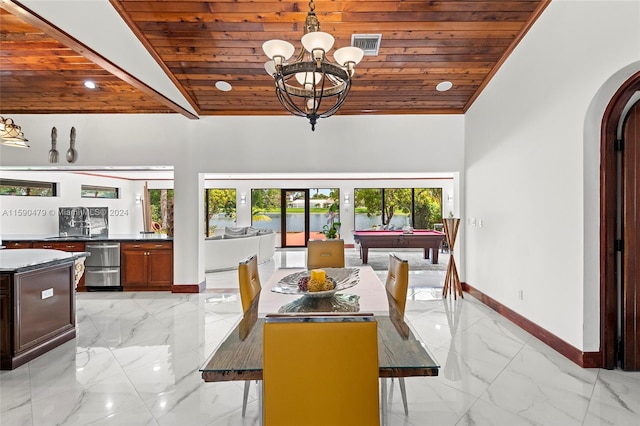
70,246
137,245
47,247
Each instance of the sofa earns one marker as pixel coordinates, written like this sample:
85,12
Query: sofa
226,249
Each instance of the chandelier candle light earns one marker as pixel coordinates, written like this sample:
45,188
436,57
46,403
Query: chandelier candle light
311,86
11,134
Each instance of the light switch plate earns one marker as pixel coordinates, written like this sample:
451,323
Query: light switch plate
47,293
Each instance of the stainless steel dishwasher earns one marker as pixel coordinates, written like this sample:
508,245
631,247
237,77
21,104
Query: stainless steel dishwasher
102,268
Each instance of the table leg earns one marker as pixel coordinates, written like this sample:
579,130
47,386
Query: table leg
383,401
365,254
434,254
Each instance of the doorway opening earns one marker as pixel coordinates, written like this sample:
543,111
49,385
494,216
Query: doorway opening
294,218
620,230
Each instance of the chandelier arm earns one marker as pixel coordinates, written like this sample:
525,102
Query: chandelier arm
289,106
335,107
286,101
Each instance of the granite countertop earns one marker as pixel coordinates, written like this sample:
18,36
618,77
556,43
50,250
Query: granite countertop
24,259
110,237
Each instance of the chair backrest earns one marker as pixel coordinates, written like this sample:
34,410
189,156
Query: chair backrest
325,254
398,280
249,281
328,373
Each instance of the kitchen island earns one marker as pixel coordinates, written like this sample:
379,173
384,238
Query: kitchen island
37,303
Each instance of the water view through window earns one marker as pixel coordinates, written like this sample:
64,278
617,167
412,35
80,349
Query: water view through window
313,213
396,208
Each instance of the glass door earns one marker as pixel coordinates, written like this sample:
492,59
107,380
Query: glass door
295,217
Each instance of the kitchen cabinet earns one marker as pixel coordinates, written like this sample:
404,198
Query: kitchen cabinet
5,319
146,265
17,244
64,246
70,246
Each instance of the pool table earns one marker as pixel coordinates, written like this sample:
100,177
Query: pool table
420,238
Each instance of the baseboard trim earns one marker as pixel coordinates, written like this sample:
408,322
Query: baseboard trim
583,359
189,288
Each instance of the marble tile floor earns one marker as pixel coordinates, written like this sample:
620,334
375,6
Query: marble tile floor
135,362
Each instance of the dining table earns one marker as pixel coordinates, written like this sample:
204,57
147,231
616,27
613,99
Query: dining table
401,353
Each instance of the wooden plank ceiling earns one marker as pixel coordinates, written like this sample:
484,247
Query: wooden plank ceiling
201,42
39,74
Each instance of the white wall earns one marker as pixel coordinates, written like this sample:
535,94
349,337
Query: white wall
245,145
525,163
39,215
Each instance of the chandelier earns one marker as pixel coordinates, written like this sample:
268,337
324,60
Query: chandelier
311,86
11,134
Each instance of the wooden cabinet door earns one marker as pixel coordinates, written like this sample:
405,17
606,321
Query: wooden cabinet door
134,267
73,246
160,267
46,245
6,320
17,244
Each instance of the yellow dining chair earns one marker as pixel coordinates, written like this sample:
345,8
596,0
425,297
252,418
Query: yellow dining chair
328,374
249,283
325,254
397,285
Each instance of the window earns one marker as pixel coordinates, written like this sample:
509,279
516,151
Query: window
266,209
220,209
427,207
367,208
90,191
161,201
395,208
324,213
26,188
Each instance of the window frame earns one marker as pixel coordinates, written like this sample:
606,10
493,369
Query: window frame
29,184
97,188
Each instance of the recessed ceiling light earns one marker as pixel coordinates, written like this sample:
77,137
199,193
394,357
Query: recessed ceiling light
443,86
89,84
223,86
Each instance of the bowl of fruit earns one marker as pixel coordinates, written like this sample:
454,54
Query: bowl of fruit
318,282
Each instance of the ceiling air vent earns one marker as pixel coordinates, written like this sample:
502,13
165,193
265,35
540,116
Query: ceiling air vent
370,43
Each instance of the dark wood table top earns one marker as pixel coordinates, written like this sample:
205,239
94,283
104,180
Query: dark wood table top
239,356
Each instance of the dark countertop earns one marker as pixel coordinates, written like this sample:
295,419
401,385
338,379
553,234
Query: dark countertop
110,237
22,260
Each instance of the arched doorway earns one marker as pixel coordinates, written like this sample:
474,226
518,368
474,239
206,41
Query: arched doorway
620,230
